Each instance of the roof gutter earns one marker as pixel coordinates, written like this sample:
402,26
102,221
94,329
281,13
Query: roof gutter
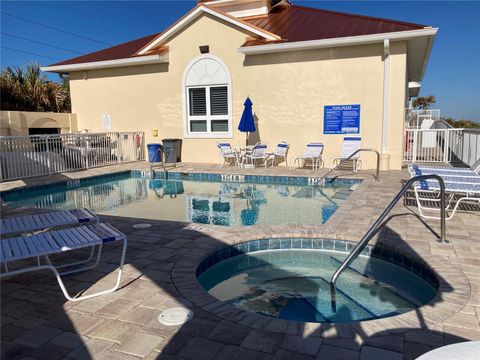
336,42
431,39
140,60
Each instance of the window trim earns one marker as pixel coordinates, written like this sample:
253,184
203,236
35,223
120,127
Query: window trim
186,103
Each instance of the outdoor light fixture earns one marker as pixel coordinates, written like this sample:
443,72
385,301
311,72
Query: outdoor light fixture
204,49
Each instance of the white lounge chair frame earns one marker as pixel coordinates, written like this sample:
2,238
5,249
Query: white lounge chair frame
280,153
313,152
257,155
467,192
349,146
227,154
43,245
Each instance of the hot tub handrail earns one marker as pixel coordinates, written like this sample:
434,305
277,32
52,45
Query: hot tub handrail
376,225
343,161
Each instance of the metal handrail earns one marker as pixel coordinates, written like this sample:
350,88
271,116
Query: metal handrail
376,225
377,174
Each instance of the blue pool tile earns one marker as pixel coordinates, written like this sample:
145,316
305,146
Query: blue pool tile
307,243
387,254
264,244
397,258
340,245
296,243
253,245
317,244
243,248
285,244
350,246
328,244
366,250
376,252
274,244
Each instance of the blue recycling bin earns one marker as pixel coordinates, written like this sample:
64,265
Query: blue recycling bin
155,153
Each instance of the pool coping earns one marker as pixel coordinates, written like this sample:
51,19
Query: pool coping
453,290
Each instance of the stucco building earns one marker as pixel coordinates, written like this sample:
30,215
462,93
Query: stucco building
191,80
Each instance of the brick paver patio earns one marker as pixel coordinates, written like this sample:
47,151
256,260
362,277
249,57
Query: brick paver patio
38,323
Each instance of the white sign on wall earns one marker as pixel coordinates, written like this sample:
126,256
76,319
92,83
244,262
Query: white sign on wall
107,121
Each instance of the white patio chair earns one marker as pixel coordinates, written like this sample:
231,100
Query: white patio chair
227,154
43,245
29,223
280,154
257,155
349,146
313,153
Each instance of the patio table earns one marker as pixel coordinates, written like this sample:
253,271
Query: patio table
242,150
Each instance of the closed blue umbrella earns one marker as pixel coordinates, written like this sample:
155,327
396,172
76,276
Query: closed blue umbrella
247,124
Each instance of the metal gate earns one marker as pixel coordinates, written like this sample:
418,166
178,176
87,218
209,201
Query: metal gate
432,145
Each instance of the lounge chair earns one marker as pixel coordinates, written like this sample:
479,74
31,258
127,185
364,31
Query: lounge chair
258,155
456,194
30,223
228,155
460,177
280,154
43,245
349,146
312,153
473,170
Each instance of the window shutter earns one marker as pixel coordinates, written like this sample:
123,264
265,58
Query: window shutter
198,101
219,100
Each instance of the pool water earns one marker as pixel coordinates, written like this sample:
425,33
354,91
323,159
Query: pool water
203,202
294,285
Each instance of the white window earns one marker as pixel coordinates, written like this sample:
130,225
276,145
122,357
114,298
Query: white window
207,98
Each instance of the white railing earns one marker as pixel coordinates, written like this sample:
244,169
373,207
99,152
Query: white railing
414,118
469,150
432,145
34,155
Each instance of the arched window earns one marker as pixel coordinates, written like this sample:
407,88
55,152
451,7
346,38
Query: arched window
207,98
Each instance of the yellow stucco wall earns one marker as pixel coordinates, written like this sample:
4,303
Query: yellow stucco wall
18,122
288,90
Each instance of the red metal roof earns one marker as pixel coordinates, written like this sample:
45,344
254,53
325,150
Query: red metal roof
122,51
298,23
291,23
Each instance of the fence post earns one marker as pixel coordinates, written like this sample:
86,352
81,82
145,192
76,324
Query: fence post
415,144
49,160
86,153
119,149
446,146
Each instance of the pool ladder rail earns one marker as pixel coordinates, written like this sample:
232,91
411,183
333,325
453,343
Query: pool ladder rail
356,251
321,180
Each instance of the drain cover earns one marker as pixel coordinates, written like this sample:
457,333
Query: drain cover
175,316
142,226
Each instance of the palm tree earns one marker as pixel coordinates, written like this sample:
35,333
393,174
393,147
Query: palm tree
424,102
29,90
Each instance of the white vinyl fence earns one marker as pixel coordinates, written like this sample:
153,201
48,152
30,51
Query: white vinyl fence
442,145
27,156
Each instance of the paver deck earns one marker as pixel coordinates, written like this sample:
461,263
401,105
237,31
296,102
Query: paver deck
37,322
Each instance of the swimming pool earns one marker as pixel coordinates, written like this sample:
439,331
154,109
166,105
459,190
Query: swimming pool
196,198
289,279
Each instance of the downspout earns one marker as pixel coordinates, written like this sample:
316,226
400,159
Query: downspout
384,156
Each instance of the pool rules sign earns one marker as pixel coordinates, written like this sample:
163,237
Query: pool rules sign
341,119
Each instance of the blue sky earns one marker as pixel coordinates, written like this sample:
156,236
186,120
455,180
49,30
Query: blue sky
453,73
